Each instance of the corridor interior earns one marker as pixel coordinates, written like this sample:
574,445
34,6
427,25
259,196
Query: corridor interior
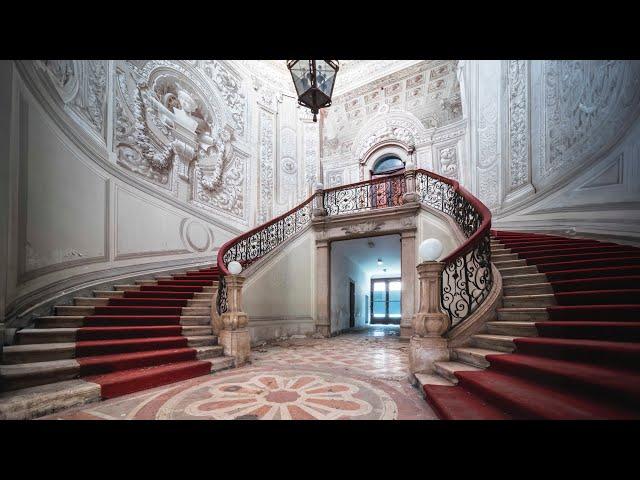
366,283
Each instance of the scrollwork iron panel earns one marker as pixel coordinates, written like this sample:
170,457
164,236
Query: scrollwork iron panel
467,279
379,193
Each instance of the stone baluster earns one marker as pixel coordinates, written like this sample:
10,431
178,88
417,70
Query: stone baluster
234,336
318,209
428,345
410,194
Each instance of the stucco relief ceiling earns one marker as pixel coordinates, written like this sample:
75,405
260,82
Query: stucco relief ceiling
352,74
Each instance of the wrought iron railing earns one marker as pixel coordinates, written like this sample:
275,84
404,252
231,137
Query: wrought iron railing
256,243
467,278
371,194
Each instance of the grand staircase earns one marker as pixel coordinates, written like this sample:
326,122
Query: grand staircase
565,344
137,336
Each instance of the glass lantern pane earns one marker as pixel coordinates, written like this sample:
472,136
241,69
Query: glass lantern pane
301,76
325,76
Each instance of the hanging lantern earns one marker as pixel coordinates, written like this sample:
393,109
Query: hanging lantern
314,81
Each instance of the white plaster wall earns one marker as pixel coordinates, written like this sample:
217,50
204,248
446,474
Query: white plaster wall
554,144
343,270
73,216
279,294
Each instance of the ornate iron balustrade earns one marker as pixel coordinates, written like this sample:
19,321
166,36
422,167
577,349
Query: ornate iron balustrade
368,195
255,244
467,277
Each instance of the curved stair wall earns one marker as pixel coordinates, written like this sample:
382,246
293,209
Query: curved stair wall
74,216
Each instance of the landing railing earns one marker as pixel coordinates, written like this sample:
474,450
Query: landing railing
357,197
467,277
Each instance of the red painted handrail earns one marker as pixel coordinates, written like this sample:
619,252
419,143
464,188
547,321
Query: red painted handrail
480,207
227,245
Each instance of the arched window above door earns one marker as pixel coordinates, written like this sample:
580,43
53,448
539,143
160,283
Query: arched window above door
387,164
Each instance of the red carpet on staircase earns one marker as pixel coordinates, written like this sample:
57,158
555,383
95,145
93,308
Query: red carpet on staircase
584,362
136,342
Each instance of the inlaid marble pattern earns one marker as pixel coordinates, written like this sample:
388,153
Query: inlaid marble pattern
355,376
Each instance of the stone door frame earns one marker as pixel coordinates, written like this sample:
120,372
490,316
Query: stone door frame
401,220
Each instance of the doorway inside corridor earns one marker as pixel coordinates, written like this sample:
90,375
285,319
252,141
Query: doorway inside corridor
366,289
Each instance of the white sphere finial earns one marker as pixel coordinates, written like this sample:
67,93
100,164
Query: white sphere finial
234,268
430,249
319,186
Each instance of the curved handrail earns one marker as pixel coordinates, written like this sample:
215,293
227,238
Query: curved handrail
477,204
262,227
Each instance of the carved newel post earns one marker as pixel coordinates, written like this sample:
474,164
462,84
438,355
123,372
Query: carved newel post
428,345
234,336
318,209
410,194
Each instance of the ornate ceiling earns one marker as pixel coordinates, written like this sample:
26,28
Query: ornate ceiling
352,74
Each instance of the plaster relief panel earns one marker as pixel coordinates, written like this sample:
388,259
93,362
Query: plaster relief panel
81,86
177,125
588,105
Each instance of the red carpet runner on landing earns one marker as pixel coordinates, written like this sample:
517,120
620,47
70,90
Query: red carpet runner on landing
584,362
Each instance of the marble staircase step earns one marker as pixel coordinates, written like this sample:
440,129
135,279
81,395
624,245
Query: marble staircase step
515,329
500,265
543,300
502,343
516,314
448,369
503,257
526,279
474,356
509,271
41,400
77,321
544,288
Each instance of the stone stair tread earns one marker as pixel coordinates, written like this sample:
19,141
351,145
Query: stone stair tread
40,347
478,351
45,331
531,296
431,379
35,368
515,323
475,356
453,366
522,309
220,363
488,336
43,399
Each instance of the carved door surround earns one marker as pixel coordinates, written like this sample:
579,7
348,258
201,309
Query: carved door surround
400,220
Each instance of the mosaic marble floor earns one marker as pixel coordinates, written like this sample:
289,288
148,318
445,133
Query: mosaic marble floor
356,376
